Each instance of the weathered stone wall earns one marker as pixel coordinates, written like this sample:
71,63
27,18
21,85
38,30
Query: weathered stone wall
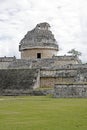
6,61
50,81
18,79
65,73
4,65
66,60
47,81
49,77
59,62
32,53
20,64
70,90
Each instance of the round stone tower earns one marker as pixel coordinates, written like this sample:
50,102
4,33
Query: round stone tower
38,43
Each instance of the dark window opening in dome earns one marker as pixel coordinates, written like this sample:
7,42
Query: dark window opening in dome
39,55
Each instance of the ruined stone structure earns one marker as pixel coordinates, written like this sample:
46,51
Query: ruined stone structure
70,90
38,43
40,66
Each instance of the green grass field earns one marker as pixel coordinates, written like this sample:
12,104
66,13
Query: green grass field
42,113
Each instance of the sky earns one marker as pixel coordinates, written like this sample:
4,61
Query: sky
67,18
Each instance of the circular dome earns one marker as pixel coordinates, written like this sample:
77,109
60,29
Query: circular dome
39,37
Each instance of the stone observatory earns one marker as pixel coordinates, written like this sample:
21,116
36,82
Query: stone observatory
39,43
41,67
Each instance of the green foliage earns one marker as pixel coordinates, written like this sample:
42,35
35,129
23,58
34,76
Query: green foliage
50,95
73,83
74,52
44,88
43,113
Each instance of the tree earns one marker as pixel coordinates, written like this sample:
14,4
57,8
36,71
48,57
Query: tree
74,52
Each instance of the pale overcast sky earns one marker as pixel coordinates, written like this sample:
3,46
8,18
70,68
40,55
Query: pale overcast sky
68,20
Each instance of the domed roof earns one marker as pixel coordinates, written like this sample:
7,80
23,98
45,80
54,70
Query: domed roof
39,37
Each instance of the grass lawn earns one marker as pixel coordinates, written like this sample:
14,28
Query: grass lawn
42,113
